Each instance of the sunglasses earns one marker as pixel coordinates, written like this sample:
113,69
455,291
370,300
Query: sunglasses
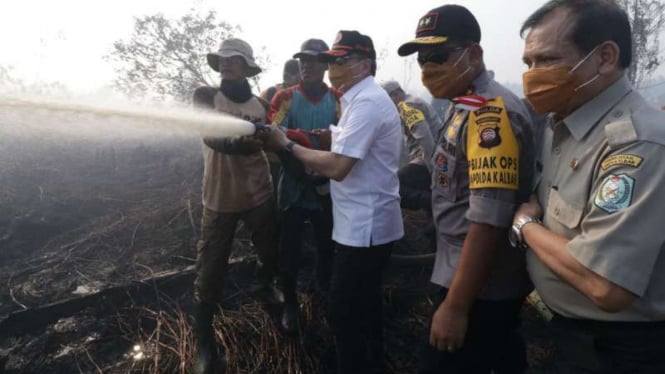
439,57
342,60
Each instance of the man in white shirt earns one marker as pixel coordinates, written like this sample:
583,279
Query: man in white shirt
362,164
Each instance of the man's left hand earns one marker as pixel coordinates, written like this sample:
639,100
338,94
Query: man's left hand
448,329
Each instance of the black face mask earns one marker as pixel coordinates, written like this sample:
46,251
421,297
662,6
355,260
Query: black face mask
237,91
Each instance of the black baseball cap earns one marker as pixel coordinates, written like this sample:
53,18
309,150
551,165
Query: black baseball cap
349,42
442,24
311,47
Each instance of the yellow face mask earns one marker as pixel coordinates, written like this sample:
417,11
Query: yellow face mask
550,89
445,81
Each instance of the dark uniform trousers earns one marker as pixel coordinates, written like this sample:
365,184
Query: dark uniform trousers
356,307
293,220
414,187
492,344
596,347
216,242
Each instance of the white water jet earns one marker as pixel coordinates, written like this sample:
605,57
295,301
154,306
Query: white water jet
39,116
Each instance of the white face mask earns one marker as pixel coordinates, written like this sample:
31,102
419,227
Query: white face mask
582,61
458,61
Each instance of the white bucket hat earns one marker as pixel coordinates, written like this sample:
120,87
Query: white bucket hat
234,47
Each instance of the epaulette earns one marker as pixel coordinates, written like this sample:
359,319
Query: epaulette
621,131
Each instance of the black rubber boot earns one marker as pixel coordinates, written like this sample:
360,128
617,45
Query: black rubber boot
206,346
289,320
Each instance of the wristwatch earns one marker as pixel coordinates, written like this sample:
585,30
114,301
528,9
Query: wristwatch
515,234
289,146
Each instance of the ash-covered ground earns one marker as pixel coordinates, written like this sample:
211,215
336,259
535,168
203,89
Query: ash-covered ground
97,243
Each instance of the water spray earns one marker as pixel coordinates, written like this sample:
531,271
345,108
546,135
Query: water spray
205,123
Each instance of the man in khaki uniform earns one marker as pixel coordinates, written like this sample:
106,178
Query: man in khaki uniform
597,257
420,124
481,172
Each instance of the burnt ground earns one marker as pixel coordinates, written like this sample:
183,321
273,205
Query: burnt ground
97,244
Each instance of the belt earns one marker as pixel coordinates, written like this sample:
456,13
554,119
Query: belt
617,326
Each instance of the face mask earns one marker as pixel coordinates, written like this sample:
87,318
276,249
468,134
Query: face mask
444,81
551,89
341,76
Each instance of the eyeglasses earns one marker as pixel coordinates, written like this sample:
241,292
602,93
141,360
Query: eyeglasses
439,57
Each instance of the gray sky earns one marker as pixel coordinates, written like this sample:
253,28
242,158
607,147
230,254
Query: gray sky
65,40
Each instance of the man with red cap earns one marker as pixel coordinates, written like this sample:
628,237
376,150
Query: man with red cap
362,163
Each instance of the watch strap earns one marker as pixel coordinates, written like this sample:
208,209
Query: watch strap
289,146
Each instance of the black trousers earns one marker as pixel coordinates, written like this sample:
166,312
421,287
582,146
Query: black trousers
414,187
595,347
356,307
293,222
492,343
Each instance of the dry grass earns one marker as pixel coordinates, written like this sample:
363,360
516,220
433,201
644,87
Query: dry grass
253,344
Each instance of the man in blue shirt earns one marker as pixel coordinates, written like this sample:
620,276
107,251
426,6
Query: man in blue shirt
308,107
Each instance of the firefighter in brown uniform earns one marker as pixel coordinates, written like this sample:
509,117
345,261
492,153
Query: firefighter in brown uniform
597,257
482,171
236,187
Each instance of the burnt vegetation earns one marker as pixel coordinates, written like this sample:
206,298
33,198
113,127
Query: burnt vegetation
97,246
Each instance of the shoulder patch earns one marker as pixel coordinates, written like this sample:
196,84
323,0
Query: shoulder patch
623,160
615,193
410,115
492,148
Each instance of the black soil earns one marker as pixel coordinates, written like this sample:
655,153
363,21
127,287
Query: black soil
97,243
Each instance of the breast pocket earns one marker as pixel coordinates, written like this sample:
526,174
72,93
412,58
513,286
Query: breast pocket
563,212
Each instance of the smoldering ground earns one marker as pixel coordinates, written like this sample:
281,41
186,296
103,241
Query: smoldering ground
99,217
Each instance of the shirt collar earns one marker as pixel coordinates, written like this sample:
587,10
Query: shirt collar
481,82
582,120
355,89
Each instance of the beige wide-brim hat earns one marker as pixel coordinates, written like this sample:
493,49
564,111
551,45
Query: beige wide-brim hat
234,47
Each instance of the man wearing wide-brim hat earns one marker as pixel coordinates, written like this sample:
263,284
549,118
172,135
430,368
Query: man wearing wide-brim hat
236,186
234,47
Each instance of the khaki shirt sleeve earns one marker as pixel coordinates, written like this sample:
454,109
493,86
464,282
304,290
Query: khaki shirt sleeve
622,232
415,121
496,206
